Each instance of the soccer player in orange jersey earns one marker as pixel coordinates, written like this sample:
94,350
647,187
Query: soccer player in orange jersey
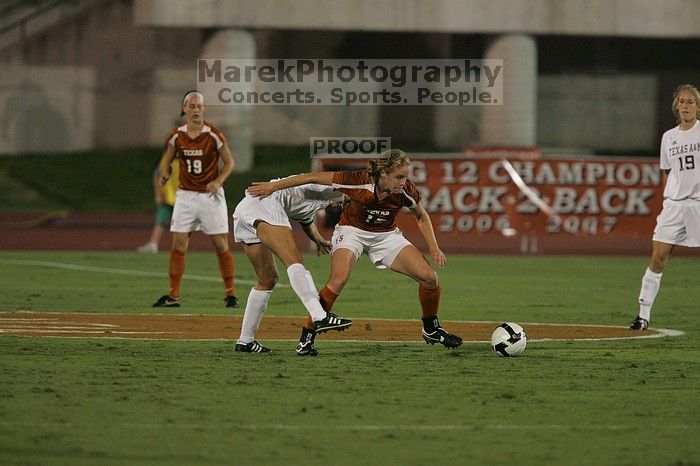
205,162
368,224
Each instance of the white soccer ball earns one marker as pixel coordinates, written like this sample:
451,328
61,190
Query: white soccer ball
509,339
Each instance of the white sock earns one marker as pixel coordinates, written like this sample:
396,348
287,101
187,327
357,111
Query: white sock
650,286
255,307
303,285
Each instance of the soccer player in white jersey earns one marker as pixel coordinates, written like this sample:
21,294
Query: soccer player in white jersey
263,226
678,224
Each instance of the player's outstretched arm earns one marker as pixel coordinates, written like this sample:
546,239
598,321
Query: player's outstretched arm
426,228
264,189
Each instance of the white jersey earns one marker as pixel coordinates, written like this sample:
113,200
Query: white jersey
680,153
301,203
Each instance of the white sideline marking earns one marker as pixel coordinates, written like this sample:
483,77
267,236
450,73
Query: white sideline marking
658,332
38,319
25,326
412,428
22,325
453,427
97,332
662,332
139,273
366,427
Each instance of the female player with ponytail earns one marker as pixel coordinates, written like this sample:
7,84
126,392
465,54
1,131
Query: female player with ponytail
205,162
368,224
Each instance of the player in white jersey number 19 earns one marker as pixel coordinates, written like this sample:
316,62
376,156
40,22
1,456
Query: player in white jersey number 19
678,224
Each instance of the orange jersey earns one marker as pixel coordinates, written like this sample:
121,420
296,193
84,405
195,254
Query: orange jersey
365,211
199,157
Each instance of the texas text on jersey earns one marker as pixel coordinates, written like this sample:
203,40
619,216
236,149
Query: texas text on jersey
365,210
199,157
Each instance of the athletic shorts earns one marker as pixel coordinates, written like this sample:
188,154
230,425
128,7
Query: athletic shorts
195,211
382,248
679,223
164,213
253,209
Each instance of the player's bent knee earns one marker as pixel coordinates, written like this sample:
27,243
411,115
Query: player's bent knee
269,282
657,264
429,280
180,249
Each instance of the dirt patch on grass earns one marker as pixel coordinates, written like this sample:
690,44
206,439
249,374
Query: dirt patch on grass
202,327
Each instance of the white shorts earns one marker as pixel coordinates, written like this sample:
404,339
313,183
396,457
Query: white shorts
253,209
382,248
196,211
679,223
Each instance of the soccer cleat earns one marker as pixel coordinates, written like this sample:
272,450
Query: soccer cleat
306,349
148,247
231,301
639,324
252,347
331,322
306,343
167,301
441,336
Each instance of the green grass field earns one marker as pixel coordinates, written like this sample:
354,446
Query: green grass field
100,401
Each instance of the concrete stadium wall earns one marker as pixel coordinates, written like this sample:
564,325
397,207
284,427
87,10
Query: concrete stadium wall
643,18
123,60
598,112
142,62
46,109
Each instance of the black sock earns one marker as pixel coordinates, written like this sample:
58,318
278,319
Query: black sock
430,324
307,335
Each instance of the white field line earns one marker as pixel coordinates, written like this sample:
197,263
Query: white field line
453,427
96,332
370,427
26,326
38,319
663,332
113,336
634,335
139,273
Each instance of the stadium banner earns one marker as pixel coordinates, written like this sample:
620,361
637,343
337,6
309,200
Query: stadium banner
530,204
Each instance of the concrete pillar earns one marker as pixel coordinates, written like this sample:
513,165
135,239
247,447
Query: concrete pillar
514,122
236,121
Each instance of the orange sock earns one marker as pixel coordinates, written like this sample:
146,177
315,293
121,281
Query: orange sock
226,269
327,299
176,268
429,300
309,324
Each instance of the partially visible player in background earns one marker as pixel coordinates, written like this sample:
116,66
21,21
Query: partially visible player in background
200,203
679,220
368,224
164,197
263,226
